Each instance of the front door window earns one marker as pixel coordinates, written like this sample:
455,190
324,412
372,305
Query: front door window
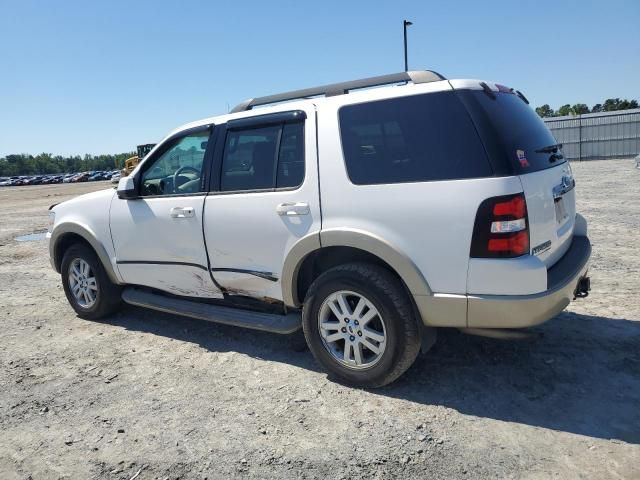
179,169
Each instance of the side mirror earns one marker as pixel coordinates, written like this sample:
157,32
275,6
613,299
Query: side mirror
127,188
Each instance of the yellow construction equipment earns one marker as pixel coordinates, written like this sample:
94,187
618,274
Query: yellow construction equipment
131,162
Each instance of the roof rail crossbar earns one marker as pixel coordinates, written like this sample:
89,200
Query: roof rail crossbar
416,76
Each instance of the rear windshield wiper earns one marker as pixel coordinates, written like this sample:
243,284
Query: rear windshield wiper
555,156
550,148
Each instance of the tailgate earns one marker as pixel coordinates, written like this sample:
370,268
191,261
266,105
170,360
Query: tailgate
551,206
519,143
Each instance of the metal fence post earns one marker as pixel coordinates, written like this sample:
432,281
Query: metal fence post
579,138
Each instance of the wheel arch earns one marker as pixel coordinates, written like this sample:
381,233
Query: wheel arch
339,246
67,234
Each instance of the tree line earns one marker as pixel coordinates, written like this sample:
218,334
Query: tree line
46,163
609,105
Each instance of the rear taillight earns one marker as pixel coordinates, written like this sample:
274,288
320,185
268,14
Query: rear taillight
502,228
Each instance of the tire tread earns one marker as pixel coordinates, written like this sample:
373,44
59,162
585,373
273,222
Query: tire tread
394,292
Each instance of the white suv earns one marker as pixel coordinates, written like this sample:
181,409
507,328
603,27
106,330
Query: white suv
363,215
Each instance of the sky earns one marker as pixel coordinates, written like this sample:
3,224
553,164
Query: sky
98,77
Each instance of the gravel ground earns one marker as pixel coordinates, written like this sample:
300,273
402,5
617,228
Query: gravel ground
168,397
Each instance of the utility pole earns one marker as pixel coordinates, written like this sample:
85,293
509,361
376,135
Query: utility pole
405,24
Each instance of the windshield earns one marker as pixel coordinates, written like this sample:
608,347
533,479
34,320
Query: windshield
513,130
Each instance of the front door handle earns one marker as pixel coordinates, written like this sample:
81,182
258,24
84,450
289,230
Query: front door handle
182,212
293,209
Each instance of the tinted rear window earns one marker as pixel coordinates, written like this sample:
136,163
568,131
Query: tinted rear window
511,129
249,161
411,139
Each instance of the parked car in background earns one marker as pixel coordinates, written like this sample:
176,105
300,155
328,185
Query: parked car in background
55,178
115,178
33,180
48,179
80,177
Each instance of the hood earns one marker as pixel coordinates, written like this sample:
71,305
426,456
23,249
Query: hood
93,198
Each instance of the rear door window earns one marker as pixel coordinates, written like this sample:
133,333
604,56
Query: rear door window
411,139
291,156
511,129
263,158
249,159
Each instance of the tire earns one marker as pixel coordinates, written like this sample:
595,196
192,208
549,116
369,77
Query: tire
104,293
392,320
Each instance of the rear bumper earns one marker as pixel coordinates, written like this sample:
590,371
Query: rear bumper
518,311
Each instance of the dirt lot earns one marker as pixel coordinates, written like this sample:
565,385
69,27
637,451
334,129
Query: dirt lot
172,398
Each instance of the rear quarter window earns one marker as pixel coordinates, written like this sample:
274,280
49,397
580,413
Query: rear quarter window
411,139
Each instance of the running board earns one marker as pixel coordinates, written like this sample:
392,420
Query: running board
267,322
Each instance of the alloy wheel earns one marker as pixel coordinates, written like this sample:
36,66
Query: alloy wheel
352,329
82,283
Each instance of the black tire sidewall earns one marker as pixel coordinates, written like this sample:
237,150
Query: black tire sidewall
341,279
102,304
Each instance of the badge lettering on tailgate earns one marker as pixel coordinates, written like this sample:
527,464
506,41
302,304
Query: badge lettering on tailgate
543,247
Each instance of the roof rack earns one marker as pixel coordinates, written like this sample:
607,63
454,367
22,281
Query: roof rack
416,76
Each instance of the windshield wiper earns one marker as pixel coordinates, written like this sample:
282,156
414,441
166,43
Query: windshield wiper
550,148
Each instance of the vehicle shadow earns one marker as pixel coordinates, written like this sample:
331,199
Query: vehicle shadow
576,373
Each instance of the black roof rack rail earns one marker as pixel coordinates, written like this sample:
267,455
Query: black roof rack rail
416,76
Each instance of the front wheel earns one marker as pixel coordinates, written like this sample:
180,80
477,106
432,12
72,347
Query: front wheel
86,284
359,324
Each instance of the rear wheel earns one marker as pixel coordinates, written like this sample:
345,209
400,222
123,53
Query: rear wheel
359,324
86,284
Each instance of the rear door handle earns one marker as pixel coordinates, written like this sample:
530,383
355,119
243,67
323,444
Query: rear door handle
293,209
182,212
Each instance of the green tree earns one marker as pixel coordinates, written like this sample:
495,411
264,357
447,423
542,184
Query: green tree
545,111
611,104
580,108
565,110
